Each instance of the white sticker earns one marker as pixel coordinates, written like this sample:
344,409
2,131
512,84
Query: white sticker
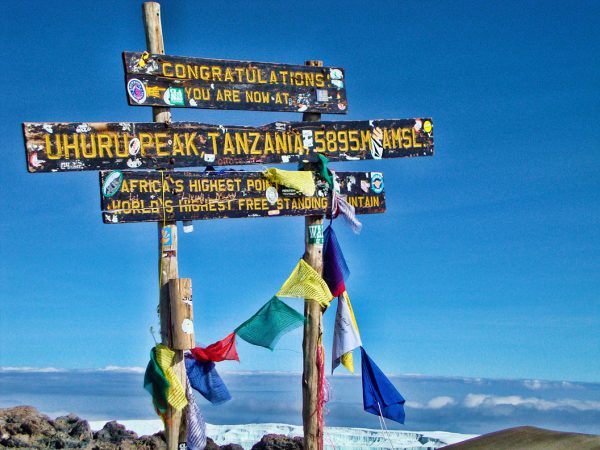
187,326
322,95
272,195
307,138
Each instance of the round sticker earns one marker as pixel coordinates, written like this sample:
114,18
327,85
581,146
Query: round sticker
377,182
187,326
112,183
136,90
134,146
336,74
427,126
272,195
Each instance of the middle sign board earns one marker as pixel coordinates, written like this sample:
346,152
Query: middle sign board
52,147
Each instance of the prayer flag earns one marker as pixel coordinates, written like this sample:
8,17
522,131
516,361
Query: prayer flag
380,397
302,181
204,378
196,427
270,322
341,206
325,173
175,394
304,282
156,383
345,334
335,269
219,351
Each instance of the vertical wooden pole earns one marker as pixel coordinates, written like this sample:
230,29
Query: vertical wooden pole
175,427
313,327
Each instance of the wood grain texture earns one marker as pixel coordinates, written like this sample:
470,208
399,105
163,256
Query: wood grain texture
313,327
55,146
175,428
182,313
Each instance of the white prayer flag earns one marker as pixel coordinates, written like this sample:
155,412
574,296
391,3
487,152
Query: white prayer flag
345,334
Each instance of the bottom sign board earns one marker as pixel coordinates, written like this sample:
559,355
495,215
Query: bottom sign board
154,196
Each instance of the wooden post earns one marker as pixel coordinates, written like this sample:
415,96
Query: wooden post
313,327
175,428
182,313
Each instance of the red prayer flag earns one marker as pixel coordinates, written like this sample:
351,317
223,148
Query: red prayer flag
219,351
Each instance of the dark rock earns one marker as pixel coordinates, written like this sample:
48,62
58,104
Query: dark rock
279,442
25,427
231,447
114,433
210,445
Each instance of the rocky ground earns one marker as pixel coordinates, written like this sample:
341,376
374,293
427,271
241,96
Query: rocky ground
25,427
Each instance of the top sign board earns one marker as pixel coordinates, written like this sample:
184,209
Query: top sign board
177,81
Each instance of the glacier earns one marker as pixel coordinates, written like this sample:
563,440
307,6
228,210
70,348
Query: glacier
335,438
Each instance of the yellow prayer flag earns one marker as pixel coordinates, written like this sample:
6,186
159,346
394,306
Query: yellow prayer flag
304,282
302,181
176,394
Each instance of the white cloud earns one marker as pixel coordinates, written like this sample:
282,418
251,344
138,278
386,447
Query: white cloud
122,369
435,403
491,401
32,369
440,402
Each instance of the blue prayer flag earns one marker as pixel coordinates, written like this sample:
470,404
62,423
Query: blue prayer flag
204,378
380,397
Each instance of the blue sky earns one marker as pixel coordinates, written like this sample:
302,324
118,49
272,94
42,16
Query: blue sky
486,264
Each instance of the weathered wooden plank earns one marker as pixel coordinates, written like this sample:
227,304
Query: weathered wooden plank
52,147
185,82
149,196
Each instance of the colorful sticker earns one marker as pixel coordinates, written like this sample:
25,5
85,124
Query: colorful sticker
315,234
166,238
112,183
338,84
136,90
174,96
336,74
377,182
134,146
427,126
376,142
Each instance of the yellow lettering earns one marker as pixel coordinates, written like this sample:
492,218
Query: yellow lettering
160,144
165,66
145,142
406,138
190,144
228,145
104,144
177,145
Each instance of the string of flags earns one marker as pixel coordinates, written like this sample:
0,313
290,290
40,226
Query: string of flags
274,319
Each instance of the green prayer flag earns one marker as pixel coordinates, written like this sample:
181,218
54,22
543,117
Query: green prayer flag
156,383
269,323
324,171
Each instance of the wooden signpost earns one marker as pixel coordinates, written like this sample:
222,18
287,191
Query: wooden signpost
165,196
151,196
126,145
176,81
